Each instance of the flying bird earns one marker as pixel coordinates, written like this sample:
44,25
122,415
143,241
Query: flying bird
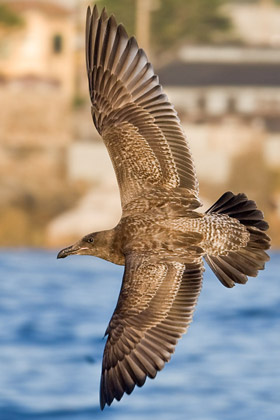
161,238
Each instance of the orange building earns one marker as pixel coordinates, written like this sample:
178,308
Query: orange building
43,47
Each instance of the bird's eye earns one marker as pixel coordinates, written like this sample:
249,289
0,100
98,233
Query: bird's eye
90,240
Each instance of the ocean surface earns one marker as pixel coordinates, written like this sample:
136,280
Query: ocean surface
53,315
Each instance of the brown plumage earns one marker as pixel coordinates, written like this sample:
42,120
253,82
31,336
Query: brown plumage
160,238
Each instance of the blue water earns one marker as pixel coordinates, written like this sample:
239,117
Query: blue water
53,314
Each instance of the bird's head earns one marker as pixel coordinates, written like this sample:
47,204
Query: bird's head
85,246
99,244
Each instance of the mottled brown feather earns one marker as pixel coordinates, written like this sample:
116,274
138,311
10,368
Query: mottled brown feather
149,322
127,100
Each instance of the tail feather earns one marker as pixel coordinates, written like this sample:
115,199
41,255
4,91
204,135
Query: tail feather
225,271
239,207
247,261
241,264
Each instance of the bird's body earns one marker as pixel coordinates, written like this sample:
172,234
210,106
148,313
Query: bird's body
172,233
161,238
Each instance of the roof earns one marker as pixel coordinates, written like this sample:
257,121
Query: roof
180,73
48,7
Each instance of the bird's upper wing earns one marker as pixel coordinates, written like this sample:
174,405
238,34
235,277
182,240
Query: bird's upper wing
138,124
154,309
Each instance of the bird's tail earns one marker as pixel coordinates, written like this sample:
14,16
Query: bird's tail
237,265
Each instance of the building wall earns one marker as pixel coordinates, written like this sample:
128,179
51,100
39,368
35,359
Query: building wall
29,51
272,151
257,24
233,124
220,100
35,129
215,145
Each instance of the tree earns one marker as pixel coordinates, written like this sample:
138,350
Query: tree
174,21
8,17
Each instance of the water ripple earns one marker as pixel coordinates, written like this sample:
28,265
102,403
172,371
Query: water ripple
53,316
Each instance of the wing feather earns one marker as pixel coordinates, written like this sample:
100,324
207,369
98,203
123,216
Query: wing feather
155,308
126,96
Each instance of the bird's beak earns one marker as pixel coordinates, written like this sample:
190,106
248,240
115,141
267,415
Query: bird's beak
70,250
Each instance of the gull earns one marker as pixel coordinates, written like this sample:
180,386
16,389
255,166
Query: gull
161,238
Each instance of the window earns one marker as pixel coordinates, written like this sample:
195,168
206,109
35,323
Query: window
231,105
57,43
201,103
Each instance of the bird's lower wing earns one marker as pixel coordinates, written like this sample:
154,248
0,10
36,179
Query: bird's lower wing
155,308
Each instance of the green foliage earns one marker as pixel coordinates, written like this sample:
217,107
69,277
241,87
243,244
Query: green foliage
193,20
8,17
175,21
79,101
254,1
124,11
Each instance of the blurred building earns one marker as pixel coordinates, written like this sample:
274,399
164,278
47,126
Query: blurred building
42,48
37,82
37,77
231,96
257,22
